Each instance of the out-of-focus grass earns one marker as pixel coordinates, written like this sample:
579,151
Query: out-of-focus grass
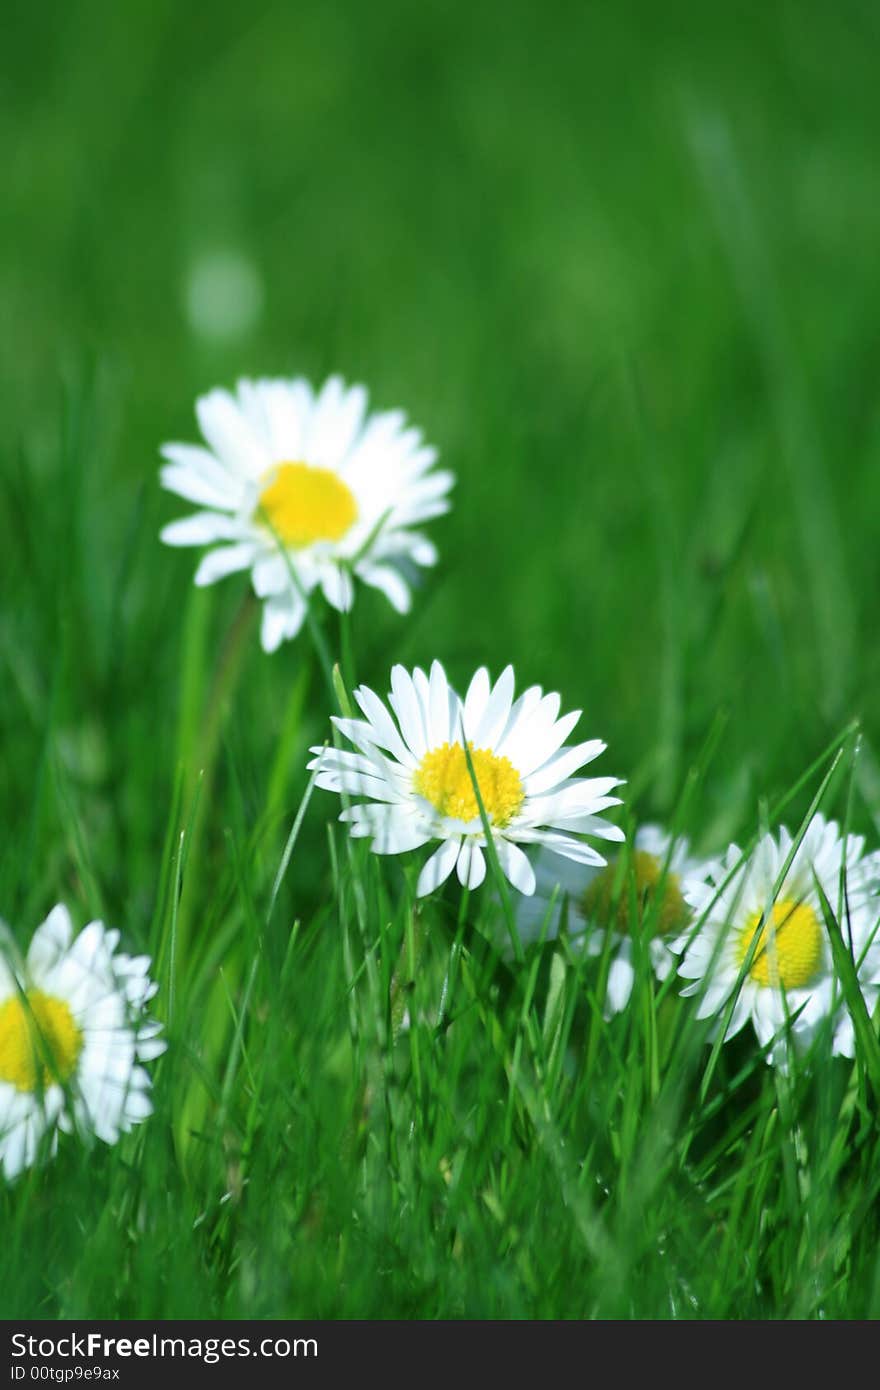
619,262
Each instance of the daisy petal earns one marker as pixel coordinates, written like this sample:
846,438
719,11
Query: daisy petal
202,528
387,581
516,867
438,868
228,559
471,866
620,982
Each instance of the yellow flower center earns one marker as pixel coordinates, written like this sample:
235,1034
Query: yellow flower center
39,1041
442,778
304,505
789,949
608,898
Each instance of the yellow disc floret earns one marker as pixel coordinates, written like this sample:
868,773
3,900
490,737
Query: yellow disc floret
442,778
789,949
39,1041
304,505
608,899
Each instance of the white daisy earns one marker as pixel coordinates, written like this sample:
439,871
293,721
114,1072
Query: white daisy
791,975
72,1036
598,902
306,490
416,774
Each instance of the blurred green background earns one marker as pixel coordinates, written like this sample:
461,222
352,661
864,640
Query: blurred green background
619,261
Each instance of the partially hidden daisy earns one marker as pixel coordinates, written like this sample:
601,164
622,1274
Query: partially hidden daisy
306,490
790,979
411,764
73,1038
598,903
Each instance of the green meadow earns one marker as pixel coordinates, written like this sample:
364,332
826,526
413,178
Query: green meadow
618,261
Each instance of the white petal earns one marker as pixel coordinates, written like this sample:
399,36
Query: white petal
271,575
562,765
654,841
50,941
497,711
18,1146
515,866
593,825
438,868
194,474
844,1037
357,731
419,549
360,784
442,709
282,618
286,409
338,588
662,958
476,700
765,1022
563,844
388,582
471,866
407,706
533,738
391,828
335,423
202,528
739,1018
578,798
231,436
137,1107
620,982
384,729
228,559
716,994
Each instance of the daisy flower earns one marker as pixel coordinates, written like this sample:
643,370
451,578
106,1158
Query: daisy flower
305,490
791,975
411,764
599,903
72,1037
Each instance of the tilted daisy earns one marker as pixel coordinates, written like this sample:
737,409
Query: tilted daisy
305,490
597,902
791,974
412,765
73,1036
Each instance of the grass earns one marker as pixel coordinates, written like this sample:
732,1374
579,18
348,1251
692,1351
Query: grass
620,265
